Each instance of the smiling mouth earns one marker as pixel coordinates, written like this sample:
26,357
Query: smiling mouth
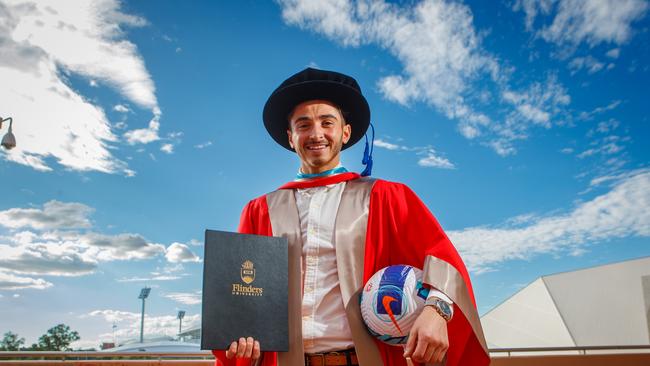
316,147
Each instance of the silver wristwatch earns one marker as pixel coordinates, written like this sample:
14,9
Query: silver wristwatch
441,306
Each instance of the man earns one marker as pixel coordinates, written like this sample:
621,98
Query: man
342,228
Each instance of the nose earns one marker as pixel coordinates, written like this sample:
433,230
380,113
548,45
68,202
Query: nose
317,132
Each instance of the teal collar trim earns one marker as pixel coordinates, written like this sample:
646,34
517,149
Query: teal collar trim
302,176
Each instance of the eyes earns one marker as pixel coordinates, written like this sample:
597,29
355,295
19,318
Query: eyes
306,125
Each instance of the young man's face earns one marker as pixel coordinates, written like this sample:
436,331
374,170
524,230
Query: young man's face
317,133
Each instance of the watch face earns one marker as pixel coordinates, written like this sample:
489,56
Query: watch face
444,307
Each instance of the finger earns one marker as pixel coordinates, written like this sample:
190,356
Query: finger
232,350
241,347
420,350
428,356
249,347
256,350
410,344
440,353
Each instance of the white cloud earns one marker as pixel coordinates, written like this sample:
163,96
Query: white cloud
125,246
444,63
178,252
591,64
341,24
128,324
599,110
12,282
389,146
40,44
121,108
621,212
431,158
434,161
54,249
613,178
195,242
152,278
167,148
144,135
70,253
589,21
606,146
51,258
176,135
614,53
538,103
53,215
203,145
435,41
185,298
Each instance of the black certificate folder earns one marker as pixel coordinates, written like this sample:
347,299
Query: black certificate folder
245,290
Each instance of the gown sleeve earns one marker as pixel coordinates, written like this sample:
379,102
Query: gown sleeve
402,230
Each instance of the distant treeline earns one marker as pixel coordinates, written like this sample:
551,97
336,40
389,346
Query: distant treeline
57,338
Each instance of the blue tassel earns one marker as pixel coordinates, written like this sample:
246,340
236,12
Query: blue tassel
367,154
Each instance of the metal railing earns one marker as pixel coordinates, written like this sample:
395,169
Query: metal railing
26,358
584,350
532,356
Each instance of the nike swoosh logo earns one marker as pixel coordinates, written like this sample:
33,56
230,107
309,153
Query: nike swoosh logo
386,303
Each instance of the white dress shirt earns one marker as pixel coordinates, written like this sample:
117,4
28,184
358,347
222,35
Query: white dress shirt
324,322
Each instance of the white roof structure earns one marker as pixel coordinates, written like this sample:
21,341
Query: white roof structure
157,347
601,306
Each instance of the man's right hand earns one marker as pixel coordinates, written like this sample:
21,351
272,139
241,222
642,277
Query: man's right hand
245,348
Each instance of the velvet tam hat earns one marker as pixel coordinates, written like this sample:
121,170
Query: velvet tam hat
311,84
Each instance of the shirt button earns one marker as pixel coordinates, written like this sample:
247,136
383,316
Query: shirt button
308,289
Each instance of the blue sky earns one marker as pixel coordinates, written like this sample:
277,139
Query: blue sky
522,125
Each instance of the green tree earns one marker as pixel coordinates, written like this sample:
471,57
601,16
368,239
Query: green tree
57,338
11,342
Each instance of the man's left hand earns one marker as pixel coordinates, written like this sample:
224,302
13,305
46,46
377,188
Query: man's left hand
428,341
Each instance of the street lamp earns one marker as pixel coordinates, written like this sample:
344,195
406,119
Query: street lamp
144,293
9,140
181,315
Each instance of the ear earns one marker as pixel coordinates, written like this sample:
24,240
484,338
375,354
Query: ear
347,132
289,135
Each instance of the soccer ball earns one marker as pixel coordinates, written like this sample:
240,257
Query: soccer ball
391,300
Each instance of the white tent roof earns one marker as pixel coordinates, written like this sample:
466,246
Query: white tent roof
605,305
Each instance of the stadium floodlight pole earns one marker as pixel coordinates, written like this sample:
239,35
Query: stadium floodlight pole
181,315
9,140
144,293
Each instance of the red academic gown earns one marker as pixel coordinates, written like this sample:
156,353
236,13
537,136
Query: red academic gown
401,230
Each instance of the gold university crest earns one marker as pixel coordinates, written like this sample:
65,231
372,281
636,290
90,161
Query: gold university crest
247,272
